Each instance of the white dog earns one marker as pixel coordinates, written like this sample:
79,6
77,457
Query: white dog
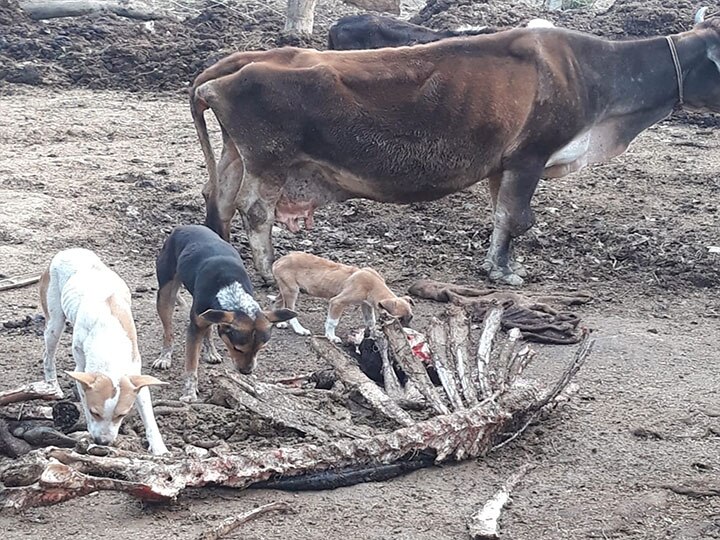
80,288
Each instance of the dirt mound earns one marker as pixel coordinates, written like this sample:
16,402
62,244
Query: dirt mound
455,13
634,18
107,51
631,18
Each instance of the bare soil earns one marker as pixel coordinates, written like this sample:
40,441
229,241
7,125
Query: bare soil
114,171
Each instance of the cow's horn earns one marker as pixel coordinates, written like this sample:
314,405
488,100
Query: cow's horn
700,15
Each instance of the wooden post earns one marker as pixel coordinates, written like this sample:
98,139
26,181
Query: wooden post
300,16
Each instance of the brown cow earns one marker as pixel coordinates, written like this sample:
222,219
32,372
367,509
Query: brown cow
302,128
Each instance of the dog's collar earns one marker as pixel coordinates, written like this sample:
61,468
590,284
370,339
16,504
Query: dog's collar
678,71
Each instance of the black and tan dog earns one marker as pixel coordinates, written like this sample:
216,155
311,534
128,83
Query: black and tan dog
213,272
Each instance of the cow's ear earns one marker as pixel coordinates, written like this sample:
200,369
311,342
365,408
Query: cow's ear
217,316
279,315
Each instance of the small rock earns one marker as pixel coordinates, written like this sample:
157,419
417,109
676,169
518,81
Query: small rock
144,184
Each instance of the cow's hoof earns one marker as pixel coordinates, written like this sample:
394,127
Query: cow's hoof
515,268
164,362
505,277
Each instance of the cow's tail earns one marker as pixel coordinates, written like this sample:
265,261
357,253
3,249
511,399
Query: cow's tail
198,106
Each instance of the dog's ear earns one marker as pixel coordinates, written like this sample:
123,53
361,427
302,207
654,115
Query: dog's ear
217,316
279,315
85,379
388,304
139,381
409,300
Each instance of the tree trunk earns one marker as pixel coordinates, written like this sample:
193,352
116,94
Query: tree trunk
300,16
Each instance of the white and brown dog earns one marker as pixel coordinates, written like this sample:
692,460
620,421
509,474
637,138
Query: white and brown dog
80,288
344,285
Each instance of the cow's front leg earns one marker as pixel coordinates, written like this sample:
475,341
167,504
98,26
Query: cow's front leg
512,217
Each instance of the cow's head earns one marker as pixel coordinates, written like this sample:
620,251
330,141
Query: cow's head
245,336
702,78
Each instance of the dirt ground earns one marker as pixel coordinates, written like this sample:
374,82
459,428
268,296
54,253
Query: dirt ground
114,171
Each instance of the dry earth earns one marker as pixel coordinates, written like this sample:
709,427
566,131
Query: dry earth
115,171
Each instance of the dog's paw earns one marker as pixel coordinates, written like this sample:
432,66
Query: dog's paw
334,339
281,325
212,357
55,390
158,449
189,398
163,362
302,331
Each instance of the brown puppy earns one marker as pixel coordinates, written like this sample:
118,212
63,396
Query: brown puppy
344,285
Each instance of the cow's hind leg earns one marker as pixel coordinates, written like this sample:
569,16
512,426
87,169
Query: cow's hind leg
513,217
256,204
494,183
220,199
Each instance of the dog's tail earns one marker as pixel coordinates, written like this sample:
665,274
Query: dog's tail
44,287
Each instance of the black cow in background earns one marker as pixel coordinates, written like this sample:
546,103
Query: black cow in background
368,31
